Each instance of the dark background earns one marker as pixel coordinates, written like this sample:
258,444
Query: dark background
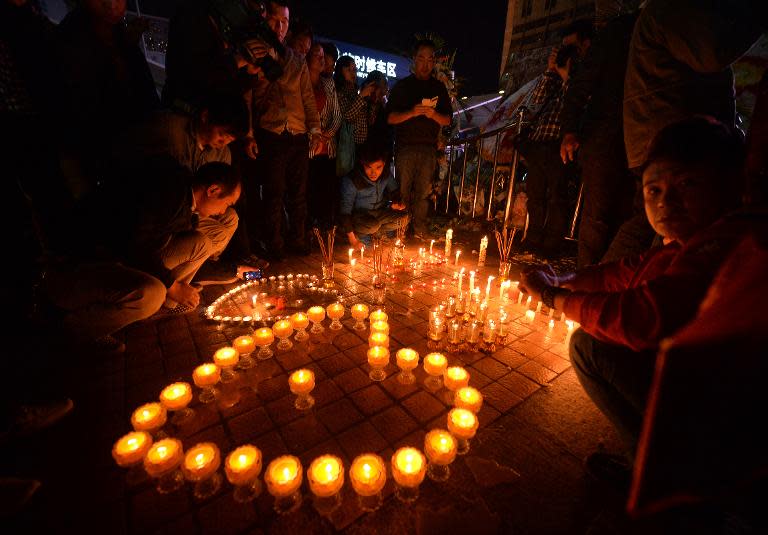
474,29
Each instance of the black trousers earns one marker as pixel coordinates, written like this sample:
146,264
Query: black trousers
284,163
323,191
546,187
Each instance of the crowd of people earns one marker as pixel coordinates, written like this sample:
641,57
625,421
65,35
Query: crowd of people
135,199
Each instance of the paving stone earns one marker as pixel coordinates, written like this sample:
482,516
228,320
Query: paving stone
304,433
490,367
326,392
423,406
478,379
339,415
358,355
336,364
292,360
499,397
393,423
274,388
371,400
361,438
352,380
487,415
398,390
406,337
282,411
510,357
322,351
553,362
252,423
215,434
150,509
271,445
537,372
526,348
347,340
519,384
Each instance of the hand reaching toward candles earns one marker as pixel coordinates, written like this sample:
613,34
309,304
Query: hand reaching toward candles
184,294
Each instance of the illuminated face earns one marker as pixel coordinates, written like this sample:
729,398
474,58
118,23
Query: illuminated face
424,62
278,18
681,199
350,73
214,203
214,136
330,64
373,170
316,59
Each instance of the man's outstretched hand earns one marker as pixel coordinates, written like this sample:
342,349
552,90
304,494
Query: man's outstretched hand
184,294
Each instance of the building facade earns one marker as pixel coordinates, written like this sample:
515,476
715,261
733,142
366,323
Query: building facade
532,29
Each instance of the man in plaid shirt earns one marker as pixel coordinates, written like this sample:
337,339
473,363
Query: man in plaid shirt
547,179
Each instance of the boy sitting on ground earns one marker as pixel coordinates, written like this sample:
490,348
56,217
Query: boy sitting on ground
691,179
365,198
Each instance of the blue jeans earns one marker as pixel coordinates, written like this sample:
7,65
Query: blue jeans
617,380
415,167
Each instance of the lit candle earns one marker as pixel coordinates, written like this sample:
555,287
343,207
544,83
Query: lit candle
244,344
407,359
283,476
326,476
503,289
353,262
226,357
474,330
488,288
283,328
440,447
489,331
176,396
468,398
378,356
462,423
431,244
367,474
454,333
362,252
163,457
299,321
335,312
359,313
538,307
551,324
243,465
471,282
435,363
301,382
264,336
458,254
380,327
149,417
448,238
316,314
455,377
378,315
482,311
206,375
408,470
351,252
378,339
483,251
130,449
461,280
530,315
201,461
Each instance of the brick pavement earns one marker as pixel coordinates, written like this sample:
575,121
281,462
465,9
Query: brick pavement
352,415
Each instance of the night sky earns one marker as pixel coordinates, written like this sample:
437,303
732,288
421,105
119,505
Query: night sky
476,32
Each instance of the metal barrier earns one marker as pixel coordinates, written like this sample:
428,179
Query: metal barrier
452,148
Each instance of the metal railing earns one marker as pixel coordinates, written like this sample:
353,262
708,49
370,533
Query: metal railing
452,148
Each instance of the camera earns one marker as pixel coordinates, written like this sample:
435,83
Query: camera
238,23
252,275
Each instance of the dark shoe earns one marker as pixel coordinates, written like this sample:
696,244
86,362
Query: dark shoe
216,273
35,417
15,493
174,311
614,470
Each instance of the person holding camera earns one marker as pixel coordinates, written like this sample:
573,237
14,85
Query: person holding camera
547,176
286,125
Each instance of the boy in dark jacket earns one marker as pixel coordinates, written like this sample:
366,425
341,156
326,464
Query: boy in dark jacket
365,193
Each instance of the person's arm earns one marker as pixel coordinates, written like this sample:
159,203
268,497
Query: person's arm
351,104
311,116
334,111
397,117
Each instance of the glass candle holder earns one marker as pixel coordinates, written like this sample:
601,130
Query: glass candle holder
454,378
378,315
201,467
463,425
450,306
359,313
245,345
434,364
162,464
474,333
264,338
378,339
316,315
407,360
461,303
504,268
368,475
150,417
326,477
468,398
176,397
242,468
380,327
408,470
205,377
301,382
378,358
335,311
283,329
440,448
283,479
489,335
128,452
327,269
435,333
300,321
454,336
227,358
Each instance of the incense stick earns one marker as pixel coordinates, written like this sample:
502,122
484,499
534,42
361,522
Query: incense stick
504,242
326,247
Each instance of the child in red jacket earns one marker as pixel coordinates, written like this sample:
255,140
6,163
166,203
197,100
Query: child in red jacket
691,179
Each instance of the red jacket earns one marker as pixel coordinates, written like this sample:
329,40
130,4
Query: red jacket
639,301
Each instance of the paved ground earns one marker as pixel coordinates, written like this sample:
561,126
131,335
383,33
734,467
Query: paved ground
523,474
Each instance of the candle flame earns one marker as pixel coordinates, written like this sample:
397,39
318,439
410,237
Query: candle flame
242,459
286,473
132,443
200,459
162,452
